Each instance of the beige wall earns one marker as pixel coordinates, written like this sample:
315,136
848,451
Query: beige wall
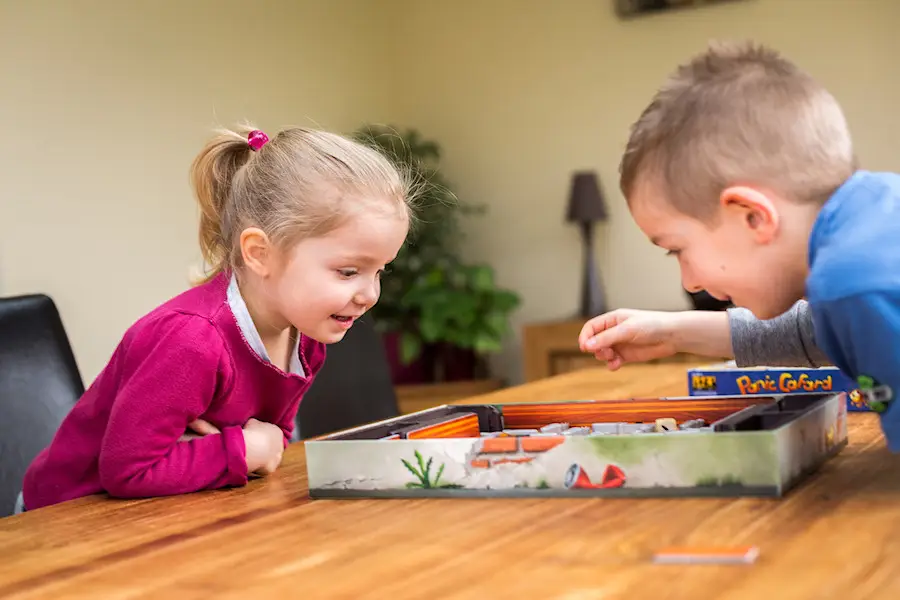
104,104
522,92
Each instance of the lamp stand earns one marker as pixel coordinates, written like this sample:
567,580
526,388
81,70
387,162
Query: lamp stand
593,300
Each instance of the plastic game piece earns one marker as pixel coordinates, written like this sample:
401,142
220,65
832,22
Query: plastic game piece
667,424
520,432
577,431
554,428
603,428
707,555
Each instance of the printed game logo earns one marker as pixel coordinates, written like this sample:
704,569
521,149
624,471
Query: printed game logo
785,383
703,383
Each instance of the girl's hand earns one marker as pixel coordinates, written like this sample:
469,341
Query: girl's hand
198,428
265,446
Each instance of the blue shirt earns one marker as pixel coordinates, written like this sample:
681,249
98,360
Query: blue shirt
853,287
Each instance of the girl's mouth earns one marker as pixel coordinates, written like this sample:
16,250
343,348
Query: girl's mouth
343,321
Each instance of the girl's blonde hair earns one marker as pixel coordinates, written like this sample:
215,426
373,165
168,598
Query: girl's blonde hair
300,183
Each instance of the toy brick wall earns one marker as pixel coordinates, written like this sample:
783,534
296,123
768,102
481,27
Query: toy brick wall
513,449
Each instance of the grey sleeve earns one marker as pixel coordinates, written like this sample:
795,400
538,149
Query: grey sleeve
785,341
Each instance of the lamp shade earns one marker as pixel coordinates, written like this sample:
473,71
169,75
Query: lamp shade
586,202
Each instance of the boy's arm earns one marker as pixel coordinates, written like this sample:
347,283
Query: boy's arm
862,332
169,377
787,340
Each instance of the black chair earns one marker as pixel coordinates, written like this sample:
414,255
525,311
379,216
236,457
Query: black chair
39,384
354,386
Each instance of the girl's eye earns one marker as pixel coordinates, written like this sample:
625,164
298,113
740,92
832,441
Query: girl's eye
347,272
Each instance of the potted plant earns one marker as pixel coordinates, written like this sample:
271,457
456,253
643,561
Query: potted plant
432,244
462,317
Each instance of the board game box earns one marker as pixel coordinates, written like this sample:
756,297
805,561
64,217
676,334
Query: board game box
727,379
679,446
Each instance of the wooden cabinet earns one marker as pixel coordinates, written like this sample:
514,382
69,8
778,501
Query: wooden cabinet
552,348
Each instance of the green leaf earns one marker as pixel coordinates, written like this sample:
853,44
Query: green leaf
410,347
497,322
411,469
482,279
428,471
437,477
505,300
485,344
430,329
435,278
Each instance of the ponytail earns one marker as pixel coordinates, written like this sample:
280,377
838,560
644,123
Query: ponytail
212,175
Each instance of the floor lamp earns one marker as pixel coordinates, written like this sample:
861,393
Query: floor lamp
587,207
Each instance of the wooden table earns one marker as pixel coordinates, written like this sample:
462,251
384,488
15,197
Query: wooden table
837,536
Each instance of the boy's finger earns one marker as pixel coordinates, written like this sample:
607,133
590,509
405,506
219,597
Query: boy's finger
605,354
593,327
203,427
607,338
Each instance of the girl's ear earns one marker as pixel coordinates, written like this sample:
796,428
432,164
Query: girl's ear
754,209
256,251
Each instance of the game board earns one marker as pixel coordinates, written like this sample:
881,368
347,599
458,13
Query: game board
681,446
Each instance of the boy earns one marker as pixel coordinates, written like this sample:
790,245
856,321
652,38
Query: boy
742,167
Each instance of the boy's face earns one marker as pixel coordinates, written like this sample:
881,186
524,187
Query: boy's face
741,255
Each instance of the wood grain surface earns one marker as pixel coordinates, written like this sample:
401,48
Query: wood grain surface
836,536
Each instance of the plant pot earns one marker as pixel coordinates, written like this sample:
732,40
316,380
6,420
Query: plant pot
421,370
459,364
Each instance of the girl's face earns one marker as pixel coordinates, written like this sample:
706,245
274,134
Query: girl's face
322,285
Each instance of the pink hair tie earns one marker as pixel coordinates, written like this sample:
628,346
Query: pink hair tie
257,139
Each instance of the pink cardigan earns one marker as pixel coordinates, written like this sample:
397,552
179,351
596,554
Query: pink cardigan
185,360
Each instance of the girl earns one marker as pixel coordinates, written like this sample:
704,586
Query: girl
203,391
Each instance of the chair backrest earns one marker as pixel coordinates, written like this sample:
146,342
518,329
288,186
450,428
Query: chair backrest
354,386
39,384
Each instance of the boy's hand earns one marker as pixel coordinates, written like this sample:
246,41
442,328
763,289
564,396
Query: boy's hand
198,428
265,446
624,336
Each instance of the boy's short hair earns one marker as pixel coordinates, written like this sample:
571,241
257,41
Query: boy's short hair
739,113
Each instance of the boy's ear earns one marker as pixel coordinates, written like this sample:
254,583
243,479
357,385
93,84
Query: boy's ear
256,251
754,208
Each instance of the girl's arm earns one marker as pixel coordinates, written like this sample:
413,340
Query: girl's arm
169,376
787,340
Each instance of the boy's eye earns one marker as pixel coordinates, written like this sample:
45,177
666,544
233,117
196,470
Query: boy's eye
347,272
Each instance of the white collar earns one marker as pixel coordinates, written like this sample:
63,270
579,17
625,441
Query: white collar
249,331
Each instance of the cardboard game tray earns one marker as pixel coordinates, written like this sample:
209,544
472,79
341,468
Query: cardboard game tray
680,446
